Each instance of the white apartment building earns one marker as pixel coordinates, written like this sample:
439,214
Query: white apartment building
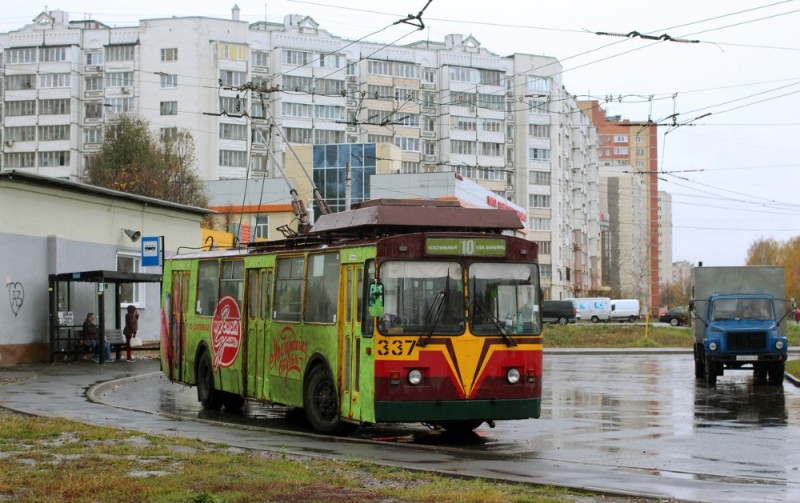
245,91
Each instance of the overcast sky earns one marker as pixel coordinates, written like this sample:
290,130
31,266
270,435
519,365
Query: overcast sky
734,175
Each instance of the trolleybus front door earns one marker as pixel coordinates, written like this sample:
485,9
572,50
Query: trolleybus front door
259,286
350,342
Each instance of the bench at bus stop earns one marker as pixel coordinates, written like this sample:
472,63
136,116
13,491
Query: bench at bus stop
118,343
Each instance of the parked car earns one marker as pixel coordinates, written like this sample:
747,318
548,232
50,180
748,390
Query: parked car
675,316
558,311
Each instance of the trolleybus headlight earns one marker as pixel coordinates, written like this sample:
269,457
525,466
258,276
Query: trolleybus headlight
512,375
779,345
414,377
712,346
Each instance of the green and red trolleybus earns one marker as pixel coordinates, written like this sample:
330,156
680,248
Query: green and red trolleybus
396,311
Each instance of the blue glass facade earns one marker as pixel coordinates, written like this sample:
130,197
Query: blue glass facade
328,168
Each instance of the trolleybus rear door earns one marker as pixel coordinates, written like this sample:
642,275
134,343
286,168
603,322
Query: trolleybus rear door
178,309
259,286
350,342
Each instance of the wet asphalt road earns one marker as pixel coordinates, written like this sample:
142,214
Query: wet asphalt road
623,423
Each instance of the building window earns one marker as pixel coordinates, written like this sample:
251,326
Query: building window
119,105
233,132
539,130
544,247
492,149
328,136
620,150
94,110
429,76
169,108
545,270
539,154
460,74
169,81
539,177
261,227
539,107
233,158
462,147
20,108
407,144
428,125
232,78
406,70
409,167
130,293
93,83
463,123
54,158
169,54
94,58
298,135
639,151
620,138
52,54
234,52
296,57
20,133
93,135
538,201
379,67
20,55
538,84
168,133
296,109
20,160
120,52
492,125
54,80
539,224
328,112
119,79
53,133
260,58
20,82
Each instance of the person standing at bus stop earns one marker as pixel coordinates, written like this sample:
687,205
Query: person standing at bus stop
131,327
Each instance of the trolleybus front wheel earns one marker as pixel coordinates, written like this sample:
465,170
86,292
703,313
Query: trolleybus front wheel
460,427
207,394
322,404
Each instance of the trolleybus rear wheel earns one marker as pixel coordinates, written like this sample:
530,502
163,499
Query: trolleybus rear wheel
460,427
207,394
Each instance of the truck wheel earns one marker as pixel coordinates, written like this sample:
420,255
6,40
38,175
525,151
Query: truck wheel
776,374
673,322
760,374
711,373
562,321
699,368
595,319
632,318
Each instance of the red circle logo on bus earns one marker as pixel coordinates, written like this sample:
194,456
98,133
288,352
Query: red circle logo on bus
226,332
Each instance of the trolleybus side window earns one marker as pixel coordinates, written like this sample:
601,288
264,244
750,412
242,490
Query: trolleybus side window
207,287
322,288
289,288
232,280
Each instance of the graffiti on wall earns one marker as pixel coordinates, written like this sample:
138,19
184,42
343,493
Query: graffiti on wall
16,295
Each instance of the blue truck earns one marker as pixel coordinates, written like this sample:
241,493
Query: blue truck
738,315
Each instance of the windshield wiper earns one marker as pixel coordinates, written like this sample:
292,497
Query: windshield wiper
432,317
510,342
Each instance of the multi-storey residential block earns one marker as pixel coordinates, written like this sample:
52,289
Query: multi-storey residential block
249,92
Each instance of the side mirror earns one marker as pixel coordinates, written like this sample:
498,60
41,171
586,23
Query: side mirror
375,303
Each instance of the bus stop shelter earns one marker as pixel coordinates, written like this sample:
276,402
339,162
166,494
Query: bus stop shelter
64,331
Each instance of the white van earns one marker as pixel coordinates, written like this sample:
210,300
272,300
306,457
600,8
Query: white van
595,309
625,310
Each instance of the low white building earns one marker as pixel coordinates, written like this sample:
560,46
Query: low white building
52,226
